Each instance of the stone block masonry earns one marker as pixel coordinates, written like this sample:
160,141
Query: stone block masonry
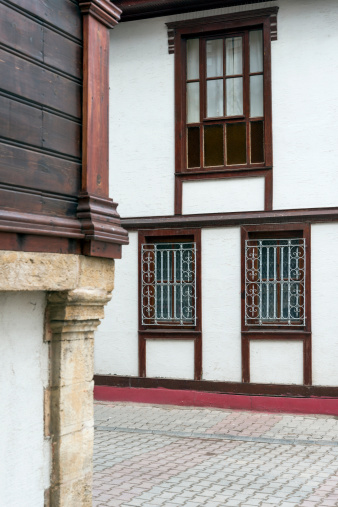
77,290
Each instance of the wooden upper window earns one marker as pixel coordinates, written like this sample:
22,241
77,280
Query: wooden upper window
223,94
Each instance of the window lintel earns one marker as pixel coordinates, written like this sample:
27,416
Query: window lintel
222,22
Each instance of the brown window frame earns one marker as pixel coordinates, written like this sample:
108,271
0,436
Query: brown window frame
266,332
211,27
166,331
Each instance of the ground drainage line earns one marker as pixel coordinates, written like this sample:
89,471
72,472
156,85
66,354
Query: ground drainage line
218,436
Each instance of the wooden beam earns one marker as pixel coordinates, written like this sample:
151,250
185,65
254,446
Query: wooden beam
141,9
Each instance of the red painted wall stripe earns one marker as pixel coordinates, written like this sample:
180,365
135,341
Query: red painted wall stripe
161,396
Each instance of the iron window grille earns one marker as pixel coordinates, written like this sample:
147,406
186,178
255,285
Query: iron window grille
275,282
168,284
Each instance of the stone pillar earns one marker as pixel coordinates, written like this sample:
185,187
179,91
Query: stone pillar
77,289
73,317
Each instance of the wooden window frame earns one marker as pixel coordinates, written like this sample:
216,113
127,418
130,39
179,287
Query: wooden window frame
291,333
167,332
222,25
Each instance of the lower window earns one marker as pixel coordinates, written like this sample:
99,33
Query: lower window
276,276
169,279
168,283
275,280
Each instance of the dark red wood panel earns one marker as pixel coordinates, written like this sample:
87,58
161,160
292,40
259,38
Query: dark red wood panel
41,154
31,125
36,243
38,171
42,86
39,42
63,14
61,135
21,33
62,53
20,122
14,198
95,171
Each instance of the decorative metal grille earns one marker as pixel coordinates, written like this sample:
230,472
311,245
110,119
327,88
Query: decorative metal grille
275,282
168,284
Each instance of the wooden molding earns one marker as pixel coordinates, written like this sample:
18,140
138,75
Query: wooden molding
222,21
310,215
97,213
28,223
141,9
101,225
289,390
105,12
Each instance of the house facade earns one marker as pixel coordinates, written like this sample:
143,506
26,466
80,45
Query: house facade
223,145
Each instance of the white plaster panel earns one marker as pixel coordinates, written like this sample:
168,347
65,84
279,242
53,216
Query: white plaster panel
116,340
276,362
217,196
221,304
170,358
324,284
142,119
305,104
25,456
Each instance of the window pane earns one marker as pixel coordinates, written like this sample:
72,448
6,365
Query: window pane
213,145
236,143
233,51
193,146
193,64
257,144
215,98
193,103
256,96
234,90
215,58
256,51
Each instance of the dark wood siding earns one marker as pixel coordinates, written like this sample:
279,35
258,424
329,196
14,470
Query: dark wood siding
40,106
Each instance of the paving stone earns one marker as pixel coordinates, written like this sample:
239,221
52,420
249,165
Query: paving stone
175,466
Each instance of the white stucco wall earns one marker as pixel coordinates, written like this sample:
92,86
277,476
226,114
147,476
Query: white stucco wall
304,98
170,358
305,104
142,119
324,281
25,455
116,347
217,196
221,304
116,340
275,362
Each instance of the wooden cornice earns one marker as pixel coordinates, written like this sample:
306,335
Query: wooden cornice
38,224
141,9
314,215
104,11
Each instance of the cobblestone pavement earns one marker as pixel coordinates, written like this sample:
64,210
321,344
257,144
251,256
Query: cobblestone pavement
148,455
